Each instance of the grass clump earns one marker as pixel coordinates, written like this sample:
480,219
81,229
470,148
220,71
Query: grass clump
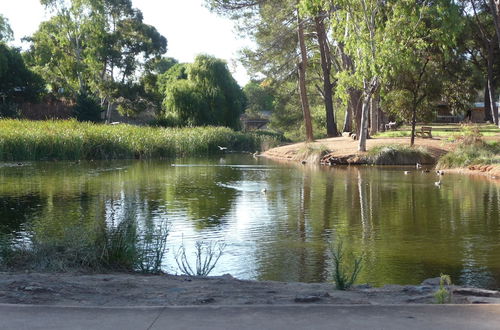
444,294
344,274
207,255
72,140
398,155
113,248
471,149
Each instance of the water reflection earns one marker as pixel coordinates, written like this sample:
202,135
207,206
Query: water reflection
407,228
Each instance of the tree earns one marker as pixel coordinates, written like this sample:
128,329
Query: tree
209,95
260,97
6,33
282,52
485,47
94,46
320,11
430,33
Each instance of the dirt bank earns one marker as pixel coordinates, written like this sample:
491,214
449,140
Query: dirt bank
345,147
167,290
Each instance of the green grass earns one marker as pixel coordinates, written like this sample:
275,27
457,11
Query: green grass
441,130
480,153
398,155
72,140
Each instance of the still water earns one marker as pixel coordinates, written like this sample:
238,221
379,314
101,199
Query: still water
407,228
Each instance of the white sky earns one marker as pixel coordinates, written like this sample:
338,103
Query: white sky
189,28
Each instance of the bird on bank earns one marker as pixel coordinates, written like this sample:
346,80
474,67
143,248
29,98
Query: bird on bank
419,165
440,172
255,154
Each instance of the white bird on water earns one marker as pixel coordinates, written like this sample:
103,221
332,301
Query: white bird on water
222,148
407,172
419,165
264,190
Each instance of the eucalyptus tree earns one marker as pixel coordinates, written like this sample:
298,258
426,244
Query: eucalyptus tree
495,12
483,50
6,33
422,37
279,31
94,46
320,11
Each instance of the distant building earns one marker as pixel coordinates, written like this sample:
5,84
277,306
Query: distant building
478,112
255,122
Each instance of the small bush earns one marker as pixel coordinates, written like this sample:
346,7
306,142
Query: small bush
466,154
87,108
398,155
207,255
119,248
344,275
444,294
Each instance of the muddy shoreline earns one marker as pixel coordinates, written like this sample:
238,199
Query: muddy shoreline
118,289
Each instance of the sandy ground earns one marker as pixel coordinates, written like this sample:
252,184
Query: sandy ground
167,290
345,146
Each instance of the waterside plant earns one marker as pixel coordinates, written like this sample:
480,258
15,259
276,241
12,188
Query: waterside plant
345,274
444,294
22,140
398,155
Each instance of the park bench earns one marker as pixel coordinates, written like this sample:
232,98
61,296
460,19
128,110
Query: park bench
390,126
425,132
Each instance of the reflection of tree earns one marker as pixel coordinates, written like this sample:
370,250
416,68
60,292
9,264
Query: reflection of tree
16,210
197,190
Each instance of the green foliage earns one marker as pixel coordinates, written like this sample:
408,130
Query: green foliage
72,140
471,151
209,95
95,46
17,82
121,247
6,33
345,275
260,97
398,155
443,295
87,108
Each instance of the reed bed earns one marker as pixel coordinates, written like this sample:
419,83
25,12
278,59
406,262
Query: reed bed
73,140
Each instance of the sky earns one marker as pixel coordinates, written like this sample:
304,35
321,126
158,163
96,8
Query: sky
189,27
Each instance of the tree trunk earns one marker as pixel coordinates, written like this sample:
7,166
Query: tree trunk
374,120
413,124
355,100
363,134
348,120
495,12
301,66
491,85
487,102
326,67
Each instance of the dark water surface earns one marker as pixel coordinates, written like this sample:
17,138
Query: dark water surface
407,228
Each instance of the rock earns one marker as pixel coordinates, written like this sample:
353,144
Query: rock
483,300
207,300
419,289
363,286
35,289
432,281
476,292
306,299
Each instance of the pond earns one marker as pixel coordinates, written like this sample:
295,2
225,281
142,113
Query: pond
406,227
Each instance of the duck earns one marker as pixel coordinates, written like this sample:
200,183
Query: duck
222,148
303,162
255,154
419,165
407,172
438,183
264,190
440,172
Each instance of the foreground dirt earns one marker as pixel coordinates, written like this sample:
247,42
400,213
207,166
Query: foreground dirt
166,290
